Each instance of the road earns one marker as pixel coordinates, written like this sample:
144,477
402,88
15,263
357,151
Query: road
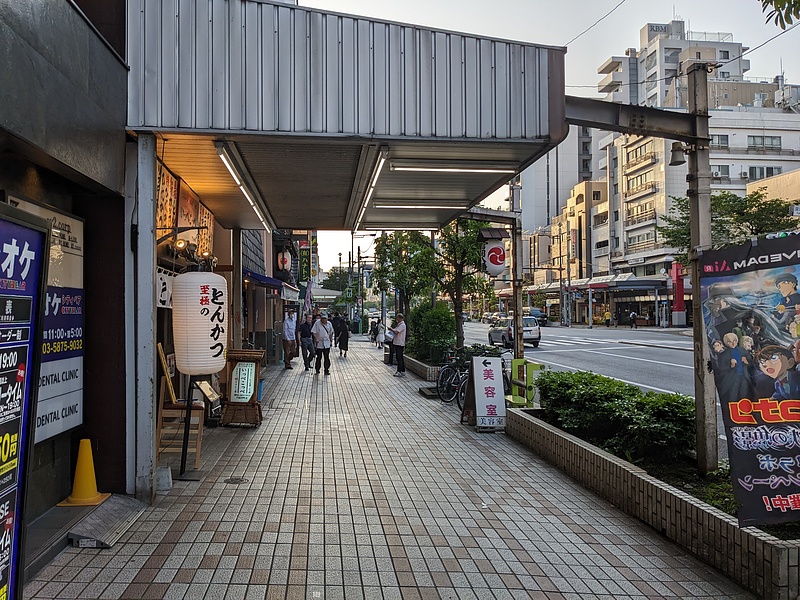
654,359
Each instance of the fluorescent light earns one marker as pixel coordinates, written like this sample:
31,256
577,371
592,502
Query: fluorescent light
371,190
432,206
424,166
227,163
401,228
230,164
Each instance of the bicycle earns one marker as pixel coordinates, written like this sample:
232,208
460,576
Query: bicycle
453,378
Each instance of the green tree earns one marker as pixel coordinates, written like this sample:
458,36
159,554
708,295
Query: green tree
781,12
734,219
403,261
460,259
336,279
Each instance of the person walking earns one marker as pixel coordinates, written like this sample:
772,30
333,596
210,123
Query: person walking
289,338
607,317
399,345
632,317
336,323
323,340
307,340
380,333
343,338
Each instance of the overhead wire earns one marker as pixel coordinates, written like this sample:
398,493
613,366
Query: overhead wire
620,3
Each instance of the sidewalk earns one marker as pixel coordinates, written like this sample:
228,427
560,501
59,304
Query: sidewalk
357,487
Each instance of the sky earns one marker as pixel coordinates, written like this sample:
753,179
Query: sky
555,23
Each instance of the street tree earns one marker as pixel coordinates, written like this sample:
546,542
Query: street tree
403,261
781,12
336,279
734,219
457,270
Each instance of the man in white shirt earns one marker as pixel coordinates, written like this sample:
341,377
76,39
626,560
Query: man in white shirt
323,340
399,345
289,339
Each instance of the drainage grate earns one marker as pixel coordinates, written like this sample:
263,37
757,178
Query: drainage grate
236,480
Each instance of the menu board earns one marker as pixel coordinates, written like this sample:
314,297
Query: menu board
24,245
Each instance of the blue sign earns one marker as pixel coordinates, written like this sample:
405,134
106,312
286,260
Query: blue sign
23,263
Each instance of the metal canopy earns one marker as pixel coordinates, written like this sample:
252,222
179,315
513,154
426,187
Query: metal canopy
336,121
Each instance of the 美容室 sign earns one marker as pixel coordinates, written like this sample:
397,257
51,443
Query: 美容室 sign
60,406
490,400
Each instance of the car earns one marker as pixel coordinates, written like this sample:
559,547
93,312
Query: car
486,318
540,316
502,332
496,316
464,317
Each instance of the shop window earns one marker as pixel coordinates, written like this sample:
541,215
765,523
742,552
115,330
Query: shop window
649,269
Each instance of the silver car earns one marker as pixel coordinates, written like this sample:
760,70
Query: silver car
502,332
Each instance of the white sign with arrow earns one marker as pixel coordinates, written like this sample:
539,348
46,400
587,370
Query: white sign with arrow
490,400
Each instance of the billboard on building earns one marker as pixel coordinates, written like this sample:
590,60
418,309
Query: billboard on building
751,310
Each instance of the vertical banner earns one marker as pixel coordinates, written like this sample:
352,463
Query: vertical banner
61,383
304,262
490,400
188,212
24,249
751,310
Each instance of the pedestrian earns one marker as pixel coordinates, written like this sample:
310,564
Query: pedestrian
289,338
344,338
632,317
336,323
607,317
323,340
373,331
399,345
307,340
380,333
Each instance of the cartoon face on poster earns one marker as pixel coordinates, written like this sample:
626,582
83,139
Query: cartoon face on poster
751,310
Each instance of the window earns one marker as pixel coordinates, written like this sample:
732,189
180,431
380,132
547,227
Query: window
586,148
596,196
762,172
616,189
724,55
765,142
639,181
724,74
723,170
649,269
670,74
586,164
616,218
602,244
725,95
639,151
719,141
761,98
585,132
671,55
697,55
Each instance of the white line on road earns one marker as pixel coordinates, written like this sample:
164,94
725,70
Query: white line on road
649,387
658,362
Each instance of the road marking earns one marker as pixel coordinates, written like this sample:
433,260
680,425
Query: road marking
658,362
649,387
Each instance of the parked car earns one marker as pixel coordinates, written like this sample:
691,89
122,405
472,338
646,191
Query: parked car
502,332
540,316
496,316
486,318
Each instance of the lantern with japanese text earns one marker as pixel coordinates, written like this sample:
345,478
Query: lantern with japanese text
494,257
200,322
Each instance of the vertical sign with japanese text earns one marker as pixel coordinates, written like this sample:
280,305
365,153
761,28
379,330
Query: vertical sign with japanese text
490,401
304,262
61,382
23,267
751,312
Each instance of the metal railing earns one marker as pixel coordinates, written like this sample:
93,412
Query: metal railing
650,185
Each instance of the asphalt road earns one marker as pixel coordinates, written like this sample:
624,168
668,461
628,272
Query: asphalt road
653,359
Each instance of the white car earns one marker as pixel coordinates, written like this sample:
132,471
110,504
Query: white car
502,332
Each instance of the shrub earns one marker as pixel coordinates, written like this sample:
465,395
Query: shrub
616,416
430,331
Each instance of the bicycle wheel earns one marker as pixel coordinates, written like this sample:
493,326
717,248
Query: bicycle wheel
506,384
461,391
446,383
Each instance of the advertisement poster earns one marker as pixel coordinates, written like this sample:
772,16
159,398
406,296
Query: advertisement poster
23,249
751,309
188,212
61,382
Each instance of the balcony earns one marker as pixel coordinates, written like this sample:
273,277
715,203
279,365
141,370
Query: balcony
600,251
644,247
610,83
648,187
644,160
612,64
644,217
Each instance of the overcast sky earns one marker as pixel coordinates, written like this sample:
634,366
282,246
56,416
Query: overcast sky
556,23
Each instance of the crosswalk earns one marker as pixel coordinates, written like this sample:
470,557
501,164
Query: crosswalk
562,341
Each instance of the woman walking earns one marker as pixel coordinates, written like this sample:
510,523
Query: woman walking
344,337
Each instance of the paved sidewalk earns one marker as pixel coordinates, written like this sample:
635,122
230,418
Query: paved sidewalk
360,488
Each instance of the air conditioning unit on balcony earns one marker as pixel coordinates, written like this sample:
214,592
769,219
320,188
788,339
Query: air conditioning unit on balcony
716,174
745,175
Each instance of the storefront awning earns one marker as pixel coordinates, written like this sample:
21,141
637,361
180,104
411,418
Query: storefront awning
263,280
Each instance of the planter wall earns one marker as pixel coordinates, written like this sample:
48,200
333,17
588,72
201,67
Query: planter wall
427,372
756,560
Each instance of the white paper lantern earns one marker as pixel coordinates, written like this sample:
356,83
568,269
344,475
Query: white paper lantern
284,260
494,257
200,322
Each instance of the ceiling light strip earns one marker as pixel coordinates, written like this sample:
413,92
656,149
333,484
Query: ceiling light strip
231,165
371,190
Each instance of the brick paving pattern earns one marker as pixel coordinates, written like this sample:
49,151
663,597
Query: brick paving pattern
357,487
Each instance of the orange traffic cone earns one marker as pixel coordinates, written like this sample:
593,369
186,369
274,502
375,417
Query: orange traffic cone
84,488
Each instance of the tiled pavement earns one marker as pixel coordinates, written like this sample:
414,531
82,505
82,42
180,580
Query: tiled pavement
359,488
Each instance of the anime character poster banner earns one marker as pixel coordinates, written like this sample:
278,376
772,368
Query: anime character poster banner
751,309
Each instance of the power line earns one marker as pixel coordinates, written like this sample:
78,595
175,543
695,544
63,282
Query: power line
595,23
761,44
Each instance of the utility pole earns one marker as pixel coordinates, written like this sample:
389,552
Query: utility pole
516,273
433,289
699,193
359,311
562,310
569,277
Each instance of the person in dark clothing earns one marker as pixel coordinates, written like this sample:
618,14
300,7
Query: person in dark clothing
336,322
307,340
343,338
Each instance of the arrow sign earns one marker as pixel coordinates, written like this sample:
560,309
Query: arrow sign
486,363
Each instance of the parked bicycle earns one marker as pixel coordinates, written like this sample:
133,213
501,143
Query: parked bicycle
453,377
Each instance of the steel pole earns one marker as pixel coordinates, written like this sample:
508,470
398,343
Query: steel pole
699,193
